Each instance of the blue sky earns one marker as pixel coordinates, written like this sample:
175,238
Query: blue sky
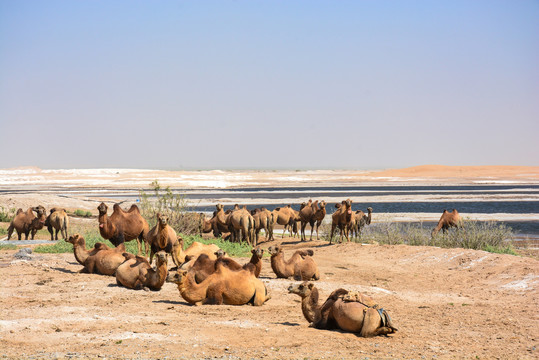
268,84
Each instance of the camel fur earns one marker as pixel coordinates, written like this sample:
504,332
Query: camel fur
447,220
25,222
342,219
359,221
300,265
263,219
287,217
123,225
137,273
358,314
312,213
162,237
224,286
58,222
99,260
188,257
241,223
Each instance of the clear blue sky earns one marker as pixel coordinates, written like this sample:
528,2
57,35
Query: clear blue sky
268,84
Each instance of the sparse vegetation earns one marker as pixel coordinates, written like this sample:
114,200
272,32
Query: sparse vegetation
82,213
489,236
6,215
8,247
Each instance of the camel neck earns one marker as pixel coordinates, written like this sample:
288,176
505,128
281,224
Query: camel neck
80,252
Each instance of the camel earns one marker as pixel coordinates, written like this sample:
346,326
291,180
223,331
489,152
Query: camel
263,219
188,257
99,260
343,310
26,222
312,213
300,265
57,221
342,219
359,221
123,225
241,222
224,286
204,266
447,220
163,237
287,217
137,273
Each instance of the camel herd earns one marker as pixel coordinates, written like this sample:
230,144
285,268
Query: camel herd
204,273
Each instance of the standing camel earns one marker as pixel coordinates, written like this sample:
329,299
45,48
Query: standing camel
342,219
287,217
312,213
447,220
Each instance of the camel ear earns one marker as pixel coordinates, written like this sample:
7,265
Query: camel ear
310,285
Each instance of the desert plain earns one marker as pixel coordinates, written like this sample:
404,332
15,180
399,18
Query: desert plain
446,303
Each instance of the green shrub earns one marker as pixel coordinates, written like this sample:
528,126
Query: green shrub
82,213
232,248
6,215
8,247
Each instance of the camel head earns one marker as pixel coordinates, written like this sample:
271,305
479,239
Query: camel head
162,219
369,209
102,208
219,207
274,250
220,253
161,257
258,251
304,289
41,213
177,277
74,239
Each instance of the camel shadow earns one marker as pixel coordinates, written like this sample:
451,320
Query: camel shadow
170,302
66,271
286,323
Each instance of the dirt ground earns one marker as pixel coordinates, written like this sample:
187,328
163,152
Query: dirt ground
446,303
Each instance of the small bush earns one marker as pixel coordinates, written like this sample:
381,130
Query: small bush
82,213
6,215
175,206
231,248
8,247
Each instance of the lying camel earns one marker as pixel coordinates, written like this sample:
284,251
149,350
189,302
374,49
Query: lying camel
137,273
224,286
287,217
343,310
204,266
263,219
99,260
123,225
300,265
312,213
26,222
188,257
342,219
163,237
57,221
447,220
359,221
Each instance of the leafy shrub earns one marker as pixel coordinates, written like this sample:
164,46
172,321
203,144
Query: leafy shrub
6,215
82,213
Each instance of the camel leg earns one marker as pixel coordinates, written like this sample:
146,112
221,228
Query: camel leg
332,231
56,233
10,231
151,256
303,226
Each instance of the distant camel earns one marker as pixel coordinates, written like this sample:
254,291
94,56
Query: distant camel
287,217
26,222
312,213
57,221
359,221
263,219
447,220
123,225
241,223
342,219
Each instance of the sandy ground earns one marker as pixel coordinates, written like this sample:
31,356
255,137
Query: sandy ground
446,303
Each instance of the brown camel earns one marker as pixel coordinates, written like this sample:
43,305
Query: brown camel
342,219
188,257
123,225
99,260
287,217
204,266
224,286
359,221
447,220
263,219
162,237
212,225
343,310
26,222
137,273
300,265
241,223
57,221
312,213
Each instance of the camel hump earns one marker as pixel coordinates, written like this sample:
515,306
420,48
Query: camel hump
19,210
128,256
141,259
356,296
134,208
276,209
337,294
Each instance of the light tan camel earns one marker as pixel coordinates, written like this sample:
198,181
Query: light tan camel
287,217
342,310
342,219
241,224
137,273
188,257
123,225
163,237
300,265
263,219
99,260
224,286
312,213
57,221
26,222
447,220
359,221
